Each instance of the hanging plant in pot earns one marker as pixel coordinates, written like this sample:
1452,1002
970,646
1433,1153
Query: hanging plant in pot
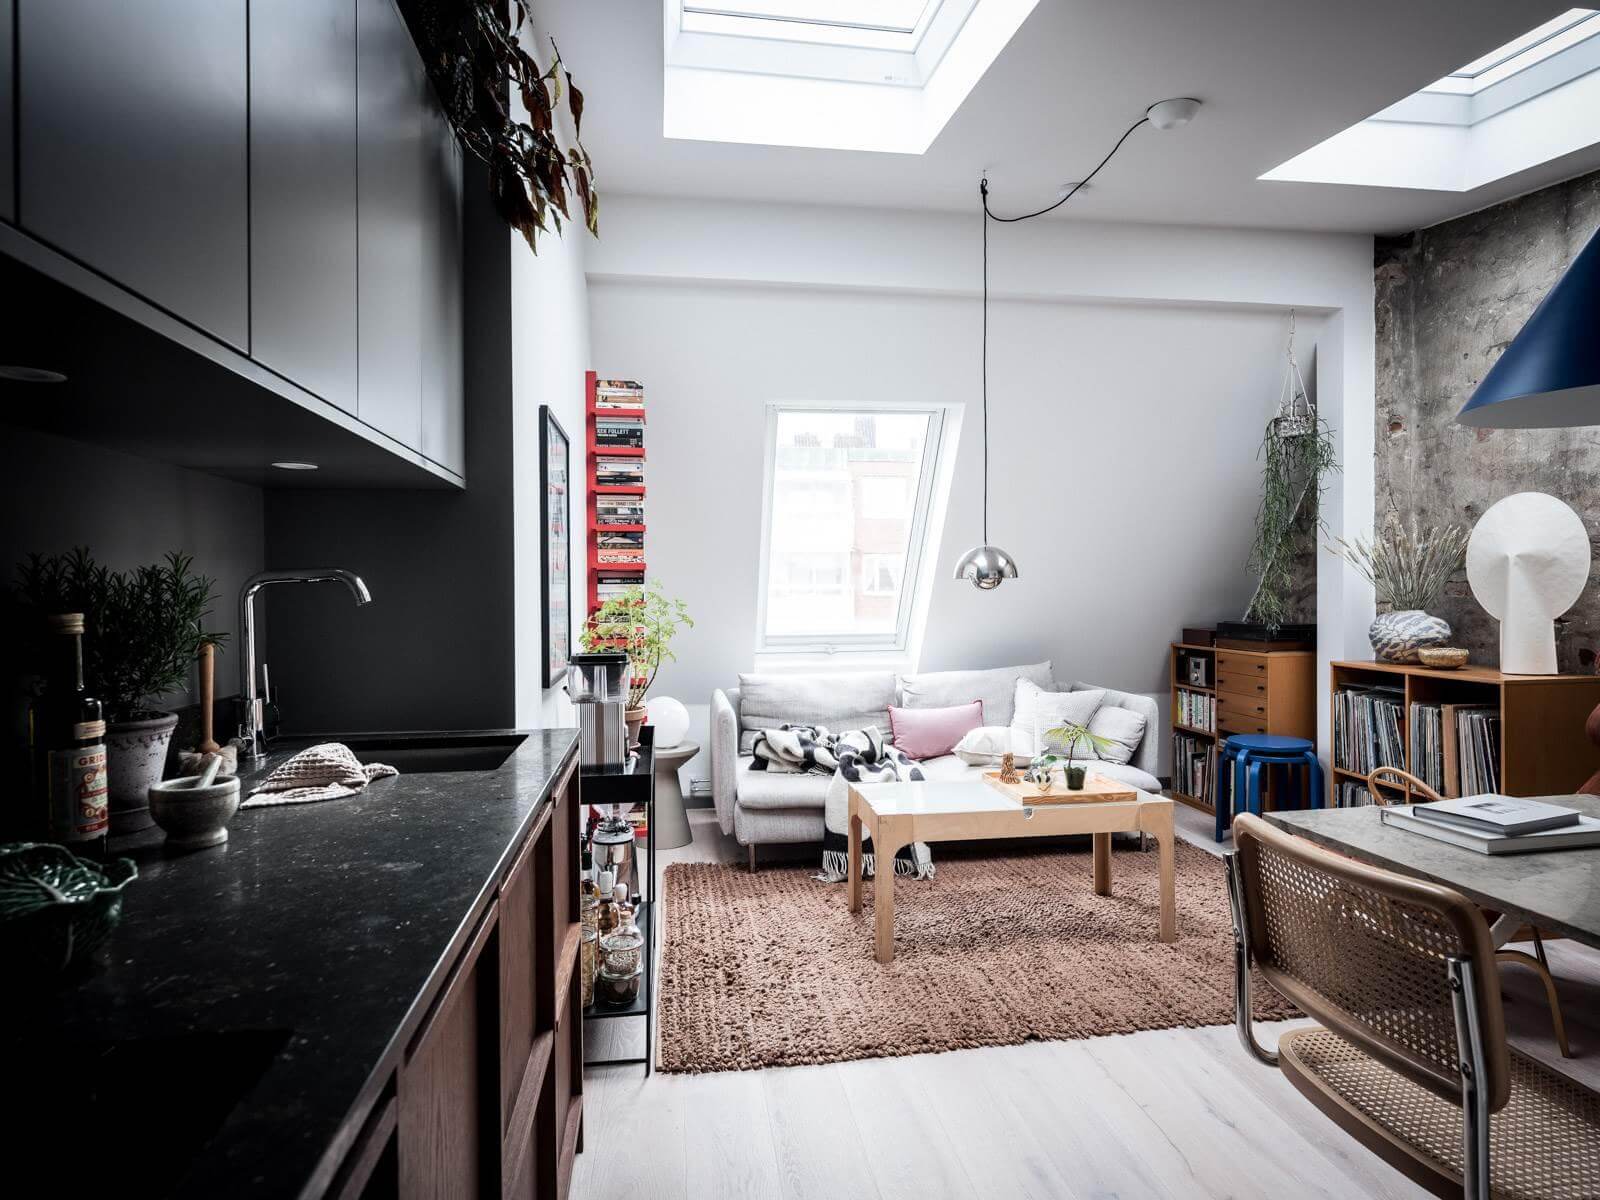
1407,565
1297,451
143,629
641,622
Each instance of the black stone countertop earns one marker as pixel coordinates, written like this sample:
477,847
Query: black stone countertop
325,922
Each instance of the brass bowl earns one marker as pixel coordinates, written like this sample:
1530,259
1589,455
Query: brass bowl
1445,658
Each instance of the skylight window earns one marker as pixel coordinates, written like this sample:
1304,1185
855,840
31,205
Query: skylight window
881,75
847,517
1528,102
1561,33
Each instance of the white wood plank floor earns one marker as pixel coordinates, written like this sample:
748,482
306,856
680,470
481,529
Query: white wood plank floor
1182,1114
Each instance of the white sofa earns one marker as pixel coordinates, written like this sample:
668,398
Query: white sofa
759,807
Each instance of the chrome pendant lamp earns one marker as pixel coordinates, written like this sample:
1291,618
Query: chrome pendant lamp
987,565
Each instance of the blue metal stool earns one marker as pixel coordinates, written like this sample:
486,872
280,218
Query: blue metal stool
1241,761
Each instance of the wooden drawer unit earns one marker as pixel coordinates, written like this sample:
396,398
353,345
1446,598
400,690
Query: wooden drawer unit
1232,709
1236,681
1256,692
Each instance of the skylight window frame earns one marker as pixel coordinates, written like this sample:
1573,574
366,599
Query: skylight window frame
915,580
712,40
1548,41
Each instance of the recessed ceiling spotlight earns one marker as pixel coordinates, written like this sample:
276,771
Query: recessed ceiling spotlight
30,374
295,466
1174,113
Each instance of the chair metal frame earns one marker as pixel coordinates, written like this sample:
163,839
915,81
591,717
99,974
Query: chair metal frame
1469,1038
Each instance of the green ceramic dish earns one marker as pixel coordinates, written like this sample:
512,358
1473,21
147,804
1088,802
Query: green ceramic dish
56,908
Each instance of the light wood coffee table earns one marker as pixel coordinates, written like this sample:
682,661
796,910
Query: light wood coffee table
896,814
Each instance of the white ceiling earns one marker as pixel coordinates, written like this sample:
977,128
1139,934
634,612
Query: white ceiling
1277,76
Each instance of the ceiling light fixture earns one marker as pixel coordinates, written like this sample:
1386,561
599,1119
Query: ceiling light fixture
295,466
30,374
986,565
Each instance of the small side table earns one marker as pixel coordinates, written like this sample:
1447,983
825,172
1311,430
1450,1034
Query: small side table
671,828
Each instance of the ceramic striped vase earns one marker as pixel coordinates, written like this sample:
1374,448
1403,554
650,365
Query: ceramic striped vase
1397,636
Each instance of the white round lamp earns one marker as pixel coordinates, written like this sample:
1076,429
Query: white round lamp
1528,562
670,718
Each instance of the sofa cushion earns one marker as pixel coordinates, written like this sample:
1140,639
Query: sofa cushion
839,702
996,687
984,746
930,732
1127,773
780,789
1037,710
1122,728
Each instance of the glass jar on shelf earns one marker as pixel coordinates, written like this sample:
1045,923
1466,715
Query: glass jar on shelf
621,973
589,963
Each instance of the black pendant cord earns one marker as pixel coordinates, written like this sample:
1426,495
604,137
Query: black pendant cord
983,192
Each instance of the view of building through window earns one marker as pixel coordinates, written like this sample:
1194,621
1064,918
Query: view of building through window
846,490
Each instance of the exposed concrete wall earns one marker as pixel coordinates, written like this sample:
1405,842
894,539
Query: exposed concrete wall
1449,300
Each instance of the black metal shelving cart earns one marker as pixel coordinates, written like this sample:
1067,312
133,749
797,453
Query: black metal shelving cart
634,786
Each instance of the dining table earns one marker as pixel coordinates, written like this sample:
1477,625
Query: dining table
1556,891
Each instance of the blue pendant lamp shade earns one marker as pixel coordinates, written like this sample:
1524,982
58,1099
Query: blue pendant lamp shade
1549,377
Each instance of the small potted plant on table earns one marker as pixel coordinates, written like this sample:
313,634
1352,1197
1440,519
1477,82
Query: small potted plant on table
1073,739
641,622
143,629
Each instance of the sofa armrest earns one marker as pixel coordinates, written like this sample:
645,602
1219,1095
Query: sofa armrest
724,757
1148,756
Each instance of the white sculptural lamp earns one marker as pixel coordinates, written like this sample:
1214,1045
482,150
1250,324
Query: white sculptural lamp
1528,562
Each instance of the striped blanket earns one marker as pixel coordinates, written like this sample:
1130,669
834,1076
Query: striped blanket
855,756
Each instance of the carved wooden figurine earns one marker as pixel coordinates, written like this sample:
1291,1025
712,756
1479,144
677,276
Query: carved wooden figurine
1008,768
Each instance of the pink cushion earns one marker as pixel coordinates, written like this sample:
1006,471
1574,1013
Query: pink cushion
930,732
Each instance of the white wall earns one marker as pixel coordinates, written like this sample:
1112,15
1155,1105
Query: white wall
550,353
1131,371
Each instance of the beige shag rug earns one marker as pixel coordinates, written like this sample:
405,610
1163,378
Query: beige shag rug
772,969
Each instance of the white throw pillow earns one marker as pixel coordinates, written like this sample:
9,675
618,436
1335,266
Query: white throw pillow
984,746
1035,706
1122,727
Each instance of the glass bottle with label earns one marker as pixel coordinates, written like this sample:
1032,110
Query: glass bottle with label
69,744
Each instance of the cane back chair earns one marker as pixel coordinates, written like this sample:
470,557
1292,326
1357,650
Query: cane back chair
1410,1057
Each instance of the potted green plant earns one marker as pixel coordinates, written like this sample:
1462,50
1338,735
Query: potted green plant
641,622
142,631
1074,739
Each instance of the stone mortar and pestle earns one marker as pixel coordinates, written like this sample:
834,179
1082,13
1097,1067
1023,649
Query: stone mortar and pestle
195,809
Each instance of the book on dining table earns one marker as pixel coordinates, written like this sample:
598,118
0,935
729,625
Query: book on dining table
1494,824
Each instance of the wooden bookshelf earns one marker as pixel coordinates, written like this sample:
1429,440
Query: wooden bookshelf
1544,750
1254,692
635,569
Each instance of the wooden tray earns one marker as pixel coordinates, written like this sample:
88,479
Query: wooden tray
1097,789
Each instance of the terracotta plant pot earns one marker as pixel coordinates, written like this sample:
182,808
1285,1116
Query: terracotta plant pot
136,757
635,718
1075,777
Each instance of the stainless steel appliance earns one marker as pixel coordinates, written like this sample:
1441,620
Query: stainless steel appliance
598,685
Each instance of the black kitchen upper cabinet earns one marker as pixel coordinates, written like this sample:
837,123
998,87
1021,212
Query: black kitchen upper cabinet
303,193
133,146
443,380
395,219
8,112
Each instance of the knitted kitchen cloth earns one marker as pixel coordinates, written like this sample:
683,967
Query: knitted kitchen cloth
324,772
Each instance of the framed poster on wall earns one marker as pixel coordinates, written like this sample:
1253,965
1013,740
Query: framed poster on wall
554,559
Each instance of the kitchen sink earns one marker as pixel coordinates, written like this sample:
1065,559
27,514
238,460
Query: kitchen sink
430,753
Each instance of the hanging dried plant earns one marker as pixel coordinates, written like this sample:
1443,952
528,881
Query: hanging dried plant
1407,565
1295,460
476,60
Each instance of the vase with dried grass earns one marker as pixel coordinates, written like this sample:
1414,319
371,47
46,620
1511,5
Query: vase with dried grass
1408,565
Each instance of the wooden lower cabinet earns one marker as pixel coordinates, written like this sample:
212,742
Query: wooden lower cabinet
488,1099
